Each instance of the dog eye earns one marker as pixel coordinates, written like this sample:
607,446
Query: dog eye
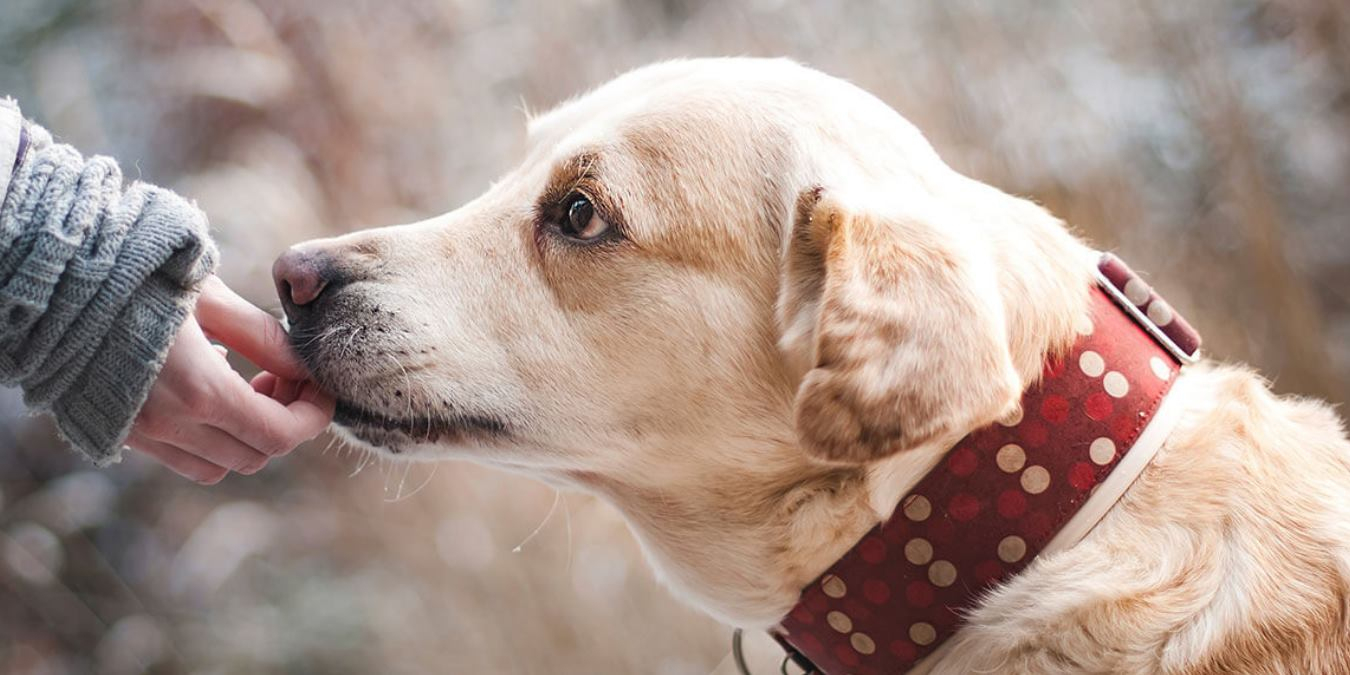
580,220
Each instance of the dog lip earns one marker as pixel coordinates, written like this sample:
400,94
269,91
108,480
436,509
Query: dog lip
441,426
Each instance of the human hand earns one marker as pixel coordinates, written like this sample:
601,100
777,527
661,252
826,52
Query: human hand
202,420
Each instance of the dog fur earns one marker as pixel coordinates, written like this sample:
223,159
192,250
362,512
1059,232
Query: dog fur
801,307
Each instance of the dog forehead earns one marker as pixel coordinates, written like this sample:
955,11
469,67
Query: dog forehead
667,92
738,105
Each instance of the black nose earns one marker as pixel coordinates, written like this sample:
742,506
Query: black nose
301,276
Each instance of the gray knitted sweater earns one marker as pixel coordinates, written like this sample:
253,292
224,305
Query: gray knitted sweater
95,280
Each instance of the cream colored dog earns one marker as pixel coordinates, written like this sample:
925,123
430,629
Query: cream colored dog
749,305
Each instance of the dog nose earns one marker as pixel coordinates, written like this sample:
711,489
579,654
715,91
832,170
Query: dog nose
301,276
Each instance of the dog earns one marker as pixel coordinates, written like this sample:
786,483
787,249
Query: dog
747,304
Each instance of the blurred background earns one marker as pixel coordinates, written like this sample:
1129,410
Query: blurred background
1208,141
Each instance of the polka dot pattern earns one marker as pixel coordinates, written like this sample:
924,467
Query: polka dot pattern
833,586
1138,293
918,551
1102,451
1011,458
1091,364
922,633
983,513
942,573
1012,548
839,621
1160,368
1116,385
862,643
1035,480
917,508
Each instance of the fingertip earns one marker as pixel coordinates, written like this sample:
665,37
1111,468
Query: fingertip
251,469
248,330
286,391
211,479
311,420
311,393
264,383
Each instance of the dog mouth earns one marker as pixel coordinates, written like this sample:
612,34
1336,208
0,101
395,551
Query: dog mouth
392,433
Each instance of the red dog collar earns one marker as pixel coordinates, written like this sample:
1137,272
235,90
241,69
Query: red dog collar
1000,495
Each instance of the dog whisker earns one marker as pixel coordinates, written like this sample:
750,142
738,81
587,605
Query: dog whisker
557,496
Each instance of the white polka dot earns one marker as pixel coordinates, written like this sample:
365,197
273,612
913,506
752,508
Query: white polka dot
1102,451
1011,549
1091,363
862,643
833,586
917,508
922,633
1013,418
1159,313
1011,458
942,573
918,551
1083,325
1137,291
839,621
1160,368
1035,479
1116,384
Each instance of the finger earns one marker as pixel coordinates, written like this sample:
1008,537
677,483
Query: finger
279,389
247,329
220,349
274,428
220,448
287,391
311,393
179,461
264,383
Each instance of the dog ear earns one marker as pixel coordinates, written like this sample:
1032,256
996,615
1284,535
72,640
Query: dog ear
895,327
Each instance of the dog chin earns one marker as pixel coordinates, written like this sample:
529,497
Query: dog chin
414,439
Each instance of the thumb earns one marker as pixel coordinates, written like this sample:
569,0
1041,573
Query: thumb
255,334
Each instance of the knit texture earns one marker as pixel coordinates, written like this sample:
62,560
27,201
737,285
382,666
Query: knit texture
95,281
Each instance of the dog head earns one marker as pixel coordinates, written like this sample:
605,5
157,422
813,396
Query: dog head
700,266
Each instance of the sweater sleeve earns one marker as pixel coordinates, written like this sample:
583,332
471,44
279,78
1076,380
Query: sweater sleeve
95,280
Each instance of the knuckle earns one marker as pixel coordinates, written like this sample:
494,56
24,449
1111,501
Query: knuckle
200,401
276,442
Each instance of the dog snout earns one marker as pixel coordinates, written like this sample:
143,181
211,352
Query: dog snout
301,276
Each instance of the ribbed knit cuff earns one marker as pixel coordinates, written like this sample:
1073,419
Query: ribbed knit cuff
96,413
95,281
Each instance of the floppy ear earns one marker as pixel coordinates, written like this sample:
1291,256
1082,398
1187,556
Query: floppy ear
895,326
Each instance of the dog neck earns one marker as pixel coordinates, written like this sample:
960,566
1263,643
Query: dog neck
741,531
741,538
